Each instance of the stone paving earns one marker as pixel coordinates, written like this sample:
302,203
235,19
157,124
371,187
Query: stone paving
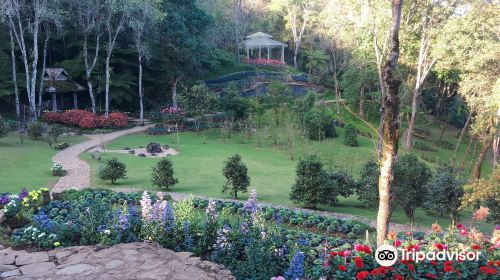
124,261
78,171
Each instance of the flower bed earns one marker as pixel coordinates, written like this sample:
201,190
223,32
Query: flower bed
236,235
87,120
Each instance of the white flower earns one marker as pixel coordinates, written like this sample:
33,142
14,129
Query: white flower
107,232
41,235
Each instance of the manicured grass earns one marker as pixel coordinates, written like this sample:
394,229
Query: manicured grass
199,168
27,165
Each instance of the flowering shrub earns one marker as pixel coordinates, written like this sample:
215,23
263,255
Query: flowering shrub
88,122
264,61
51,117
86,119
57,170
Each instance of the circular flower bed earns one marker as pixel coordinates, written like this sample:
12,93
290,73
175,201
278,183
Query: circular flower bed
154,148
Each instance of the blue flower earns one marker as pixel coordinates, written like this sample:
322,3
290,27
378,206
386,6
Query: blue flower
296,269
188,240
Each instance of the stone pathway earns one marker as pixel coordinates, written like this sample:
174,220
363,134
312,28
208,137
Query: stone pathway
124,261
78,171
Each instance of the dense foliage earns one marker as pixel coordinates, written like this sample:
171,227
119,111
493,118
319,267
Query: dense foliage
319,124
350,136
445,193
236,174
311,184
113,170
35,130
163,175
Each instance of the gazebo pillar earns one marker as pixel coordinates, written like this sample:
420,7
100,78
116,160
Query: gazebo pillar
268,53
54,102
260,50
248,53
283,53
75,100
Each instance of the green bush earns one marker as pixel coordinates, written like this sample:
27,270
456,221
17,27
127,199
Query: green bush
163,175
319,125
311,184
35,130
61,146
113,171
445,193
236,174
4,129
367,187
339,184
57,170
55,132
444,144
423,147
350,137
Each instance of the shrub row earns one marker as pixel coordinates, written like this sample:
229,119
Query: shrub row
86,119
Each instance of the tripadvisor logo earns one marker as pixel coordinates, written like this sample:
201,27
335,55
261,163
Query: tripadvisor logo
387,255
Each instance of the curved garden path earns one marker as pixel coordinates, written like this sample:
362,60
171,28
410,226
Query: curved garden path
137,260
77,170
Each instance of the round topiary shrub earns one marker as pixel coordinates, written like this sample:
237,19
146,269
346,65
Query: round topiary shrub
350,137
153,148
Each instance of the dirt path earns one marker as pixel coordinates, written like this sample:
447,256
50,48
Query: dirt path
78,171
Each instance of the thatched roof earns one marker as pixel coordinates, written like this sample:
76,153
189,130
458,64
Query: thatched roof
59,79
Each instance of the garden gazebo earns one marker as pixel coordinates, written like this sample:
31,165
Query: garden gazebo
259,41
57,80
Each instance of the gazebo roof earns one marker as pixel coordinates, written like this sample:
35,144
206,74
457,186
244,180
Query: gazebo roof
59,79
259,34
262,42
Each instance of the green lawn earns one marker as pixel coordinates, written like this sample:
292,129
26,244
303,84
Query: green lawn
199,168
27,165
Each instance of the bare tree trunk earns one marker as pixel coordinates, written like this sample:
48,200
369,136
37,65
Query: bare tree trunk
14,72
465,153
44,64
174,92
466,125
112,35
476,171
108,74
141,93
390,136
295,54
90,67
362,102
411,122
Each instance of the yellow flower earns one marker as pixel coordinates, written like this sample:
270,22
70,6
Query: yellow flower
44,190
57,244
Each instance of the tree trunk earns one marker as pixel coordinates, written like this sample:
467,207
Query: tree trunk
141,94
466,125
362,102
89,67
295,54
476,171
411,123
14,73
44,64
174,92
390,136
106,95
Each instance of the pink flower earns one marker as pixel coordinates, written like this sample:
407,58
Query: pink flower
278,278
463,231
459,226
481,213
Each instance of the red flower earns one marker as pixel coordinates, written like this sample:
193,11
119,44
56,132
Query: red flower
362,275
398,277
411,267
333,254
448,268
476,247
448,263
488,270
363,248
430,276
497,263
490,263
379,271
359,262
397,243
439,246
434,263
342,268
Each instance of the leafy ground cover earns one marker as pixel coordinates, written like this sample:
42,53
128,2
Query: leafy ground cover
249,247
27,165
199,168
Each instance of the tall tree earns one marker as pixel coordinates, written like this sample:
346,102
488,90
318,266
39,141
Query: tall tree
143,16
390,125
14,72
87,19
25,19
114,21
182,44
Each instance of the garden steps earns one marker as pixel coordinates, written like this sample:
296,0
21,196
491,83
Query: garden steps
139,260
77,170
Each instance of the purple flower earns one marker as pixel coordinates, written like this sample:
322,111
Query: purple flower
123,220
296,269
4,200
24,193
167,216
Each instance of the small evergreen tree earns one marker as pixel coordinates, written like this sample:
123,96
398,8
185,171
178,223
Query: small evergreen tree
163,175
113,171
339,184
445,193
319,125
236,175
310,184
350,137
35,130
